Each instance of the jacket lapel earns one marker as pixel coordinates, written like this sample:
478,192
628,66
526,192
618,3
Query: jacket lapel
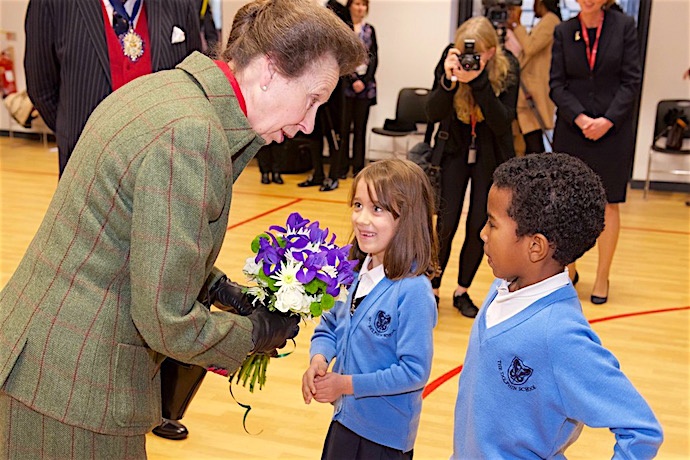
93,21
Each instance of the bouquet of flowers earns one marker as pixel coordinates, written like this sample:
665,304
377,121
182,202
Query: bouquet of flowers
297,270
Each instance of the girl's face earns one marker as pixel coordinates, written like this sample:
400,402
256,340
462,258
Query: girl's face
358,10
373,226
507,254
589,7
289,104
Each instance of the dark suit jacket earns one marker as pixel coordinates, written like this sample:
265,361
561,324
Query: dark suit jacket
66,60
109,284
610,91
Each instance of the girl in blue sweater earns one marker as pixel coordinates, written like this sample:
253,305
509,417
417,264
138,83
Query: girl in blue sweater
535,372
381,338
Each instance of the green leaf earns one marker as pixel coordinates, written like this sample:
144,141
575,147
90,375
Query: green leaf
255,243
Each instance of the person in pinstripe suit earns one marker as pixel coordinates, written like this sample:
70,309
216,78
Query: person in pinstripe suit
109,285
67,63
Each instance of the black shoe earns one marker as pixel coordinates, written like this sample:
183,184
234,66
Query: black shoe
277,179
265,179
171,429
465,305
329,184
596,300
576,278
310,183
437,299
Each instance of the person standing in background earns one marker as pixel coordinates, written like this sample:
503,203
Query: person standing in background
75,55
595,82
534,56
478,106
360,93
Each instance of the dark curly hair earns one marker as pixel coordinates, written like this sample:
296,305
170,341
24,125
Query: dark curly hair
557,195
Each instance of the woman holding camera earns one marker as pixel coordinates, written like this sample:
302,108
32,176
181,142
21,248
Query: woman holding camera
595,82
474,96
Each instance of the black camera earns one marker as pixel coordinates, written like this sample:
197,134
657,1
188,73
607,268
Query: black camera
496,11
469,60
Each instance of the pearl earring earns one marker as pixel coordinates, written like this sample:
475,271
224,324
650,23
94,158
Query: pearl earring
264,88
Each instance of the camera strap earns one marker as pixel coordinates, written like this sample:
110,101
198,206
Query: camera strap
591,52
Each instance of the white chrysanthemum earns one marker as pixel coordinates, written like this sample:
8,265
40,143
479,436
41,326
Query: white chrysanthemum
258,293
290,300
251,268
287,275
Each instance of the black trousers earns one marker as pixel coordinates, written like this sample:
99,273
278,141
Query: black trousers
328,123
534,141
355,114
271,158
455,176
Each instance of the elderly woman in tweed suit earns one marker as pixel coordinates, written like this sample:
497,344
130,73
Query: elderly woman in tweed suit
109,284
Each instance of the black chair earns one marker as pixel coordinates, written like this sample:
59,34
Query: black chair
410,110
667,111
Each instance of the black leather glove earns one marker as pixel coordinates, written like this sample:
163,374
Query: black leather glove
272,329
228,296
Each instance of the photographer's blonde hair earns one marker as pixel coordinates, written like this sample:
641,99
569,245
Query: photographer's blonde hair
485,37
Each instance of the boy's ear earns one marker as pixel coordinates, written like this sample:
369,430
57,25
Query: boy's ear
539,248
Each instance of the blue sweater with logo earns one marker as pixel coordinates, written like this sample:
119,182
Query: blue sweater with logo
387,347
530,383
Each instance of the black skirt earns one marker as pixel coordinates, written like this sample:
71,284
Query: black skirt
344,444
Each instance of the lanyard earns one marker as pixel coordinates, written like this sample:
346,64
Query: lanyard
591,52
119,7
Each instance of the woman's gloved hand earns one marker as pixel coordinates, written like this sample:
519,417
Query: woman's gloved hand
272,329
229,296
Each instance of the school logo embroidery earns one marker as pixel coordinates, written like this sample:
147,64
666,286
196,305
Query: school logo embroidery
379,324
517,375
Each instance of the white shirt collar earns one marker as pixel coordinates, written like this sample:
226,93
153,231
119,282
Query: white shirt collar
507,304
368,279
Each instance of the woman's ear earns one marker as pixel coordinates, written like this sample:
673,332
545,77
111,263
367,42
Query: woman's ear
539,247
267,71
491,52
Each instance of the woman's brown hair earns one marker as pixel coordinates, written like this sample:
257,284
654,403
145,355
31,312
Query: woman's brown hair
402,188
483,33
294,34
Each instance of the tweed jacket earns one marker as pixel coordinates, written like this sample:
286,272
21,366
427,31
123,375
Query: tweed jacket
110,281
67,65
535,61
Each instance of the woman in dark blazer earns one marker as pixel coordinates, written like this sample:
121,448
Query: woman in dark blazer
594,81
479,108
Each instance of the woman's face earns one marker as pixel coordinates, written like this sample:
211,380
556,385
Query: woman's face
358,10
289,104
589,7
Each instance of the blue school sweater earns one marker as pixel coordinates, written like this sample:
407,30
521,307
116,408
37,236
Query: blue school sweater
530,383
387,347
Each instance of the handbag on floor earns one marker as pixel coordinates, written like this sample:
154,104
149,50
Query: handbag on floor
179,384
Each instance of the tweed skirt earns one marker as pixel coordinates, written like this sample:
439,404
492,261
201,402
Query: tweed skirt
26,434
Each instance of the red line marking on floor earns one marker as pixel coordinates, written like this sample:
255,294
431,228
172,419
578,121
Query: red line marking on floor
430,387
263,214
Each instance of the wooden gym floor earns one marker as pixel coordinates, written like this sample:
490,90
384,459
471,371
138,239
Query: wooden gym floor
645,323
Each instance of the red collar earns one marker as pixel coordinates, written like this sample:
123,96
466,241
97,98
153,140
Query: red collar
235,86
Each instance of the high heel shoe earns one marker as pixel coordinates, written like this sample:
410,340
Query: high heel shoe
596,300
265,179
277,179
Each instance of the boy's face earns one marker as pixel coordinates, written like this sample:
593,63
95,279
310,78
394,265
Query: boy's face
508,255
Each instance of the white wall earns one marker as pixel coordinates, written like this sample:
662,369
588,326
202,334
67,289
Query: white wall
668,57
12,14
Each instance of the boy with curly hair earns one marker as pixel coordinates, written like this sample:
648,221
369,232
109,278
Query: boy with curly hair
535,372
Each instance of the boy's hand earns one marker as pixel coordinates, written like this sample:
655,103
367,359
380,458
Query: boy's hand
317,368
332,386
